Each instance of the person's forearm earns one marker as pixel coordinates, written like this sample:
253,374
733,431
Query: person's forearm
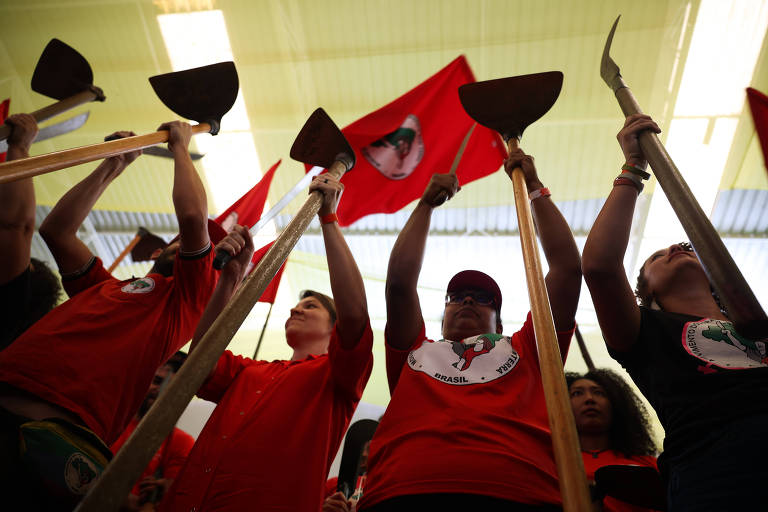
189,199
608,239
71,210
225,289
347,287
555,236
407,255
18,197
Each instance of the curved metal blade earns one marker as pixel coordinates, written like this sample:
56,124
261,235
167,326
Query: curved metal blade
609,70
61,71
54,130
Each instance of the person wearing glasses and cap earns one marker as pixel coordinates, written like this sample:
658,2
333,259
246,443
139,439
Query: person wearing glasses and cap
467,427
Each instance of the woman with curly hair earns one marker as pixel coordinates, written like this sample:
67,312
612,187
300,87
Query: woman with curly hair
613,426
707,383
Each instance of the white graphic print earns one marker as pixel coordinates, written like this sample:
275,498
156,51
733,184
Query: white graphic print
718,344
474,360
397,154
143,285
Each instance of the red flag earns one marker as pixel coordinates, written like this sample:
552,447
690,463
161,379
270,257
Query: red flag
4,106
247,210
271,290
401,145
758,104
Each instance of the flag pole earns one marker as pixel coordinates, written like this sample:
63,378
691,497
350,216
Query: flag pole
263,330
128,248
583,348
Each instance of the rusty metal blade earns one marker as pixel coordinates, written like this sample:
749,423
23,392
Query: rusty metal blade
321,143
509,105
203,94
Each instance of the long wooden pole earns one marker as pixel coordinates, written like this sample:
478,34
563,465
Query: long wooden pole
120,475
49,162
583,348
263,330
94,93
565,440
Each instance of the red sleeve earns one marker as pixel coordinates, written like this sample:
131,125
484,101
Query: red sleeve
331,485
94,274
396,358
194,276
178,450
351,368
563,338
227,369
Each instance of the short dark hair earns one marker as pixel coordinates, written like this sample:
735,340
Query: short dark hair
630,426
176,360
324,299
44,288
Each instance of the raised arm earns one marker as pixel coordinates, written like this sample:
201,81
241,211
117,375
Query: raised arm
239,244
346,281
403,309
17,215
564,276
59,229
189,199
603,258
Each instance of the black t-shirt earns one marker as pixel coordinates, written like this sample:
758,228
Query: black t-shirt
15,299
698,375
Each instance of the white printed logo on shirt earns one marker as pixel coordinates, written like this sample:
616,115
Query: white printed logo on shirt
718,344
143,285
474,360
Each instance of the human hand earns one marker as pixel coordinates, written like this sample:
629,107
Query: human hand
120,162
336,502
238,244
441,188
331,188
517,158
23,131
179,134
151,488
628,138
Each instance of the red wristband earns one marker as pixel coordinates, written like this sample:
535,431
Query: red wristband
329,219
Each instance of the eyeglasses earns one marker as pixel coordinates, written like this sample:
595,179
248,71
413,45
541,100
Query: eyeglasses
480,297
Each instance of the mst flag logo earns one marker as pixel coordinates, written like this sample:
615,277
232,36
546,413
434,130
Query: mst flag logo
397,154
718,344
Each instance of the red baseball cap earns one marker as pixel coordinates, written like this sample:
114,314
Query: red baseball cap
475,279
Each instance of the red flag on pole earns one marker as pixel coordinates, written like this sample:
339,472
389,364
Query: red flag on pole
758,104
402,144
271,290
4,109
248,209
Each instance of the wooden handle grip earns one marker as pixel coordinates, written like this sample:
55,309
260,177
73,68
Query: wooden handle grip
36,165
57,108
565,441
125,468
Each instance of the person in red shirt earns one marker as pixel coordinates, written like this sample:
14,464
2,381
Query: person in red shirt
271,440
461,436
71,383
169,458
28,288
613,427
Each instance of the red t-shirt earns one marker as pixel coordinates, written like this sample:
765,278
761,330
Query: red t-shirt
270,442
465,418
172,453
608,458
96,354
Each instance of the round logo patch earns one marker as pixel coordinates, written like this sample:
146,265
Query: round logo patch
474,360
718,345
143,285
397,154
80,473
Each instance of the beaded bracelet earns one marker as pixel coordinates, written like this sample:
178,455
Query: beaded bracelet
622,179
329,219
542,192
636,171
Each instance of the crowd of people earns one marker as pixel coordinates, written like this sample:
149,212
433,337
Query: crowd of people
466,427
